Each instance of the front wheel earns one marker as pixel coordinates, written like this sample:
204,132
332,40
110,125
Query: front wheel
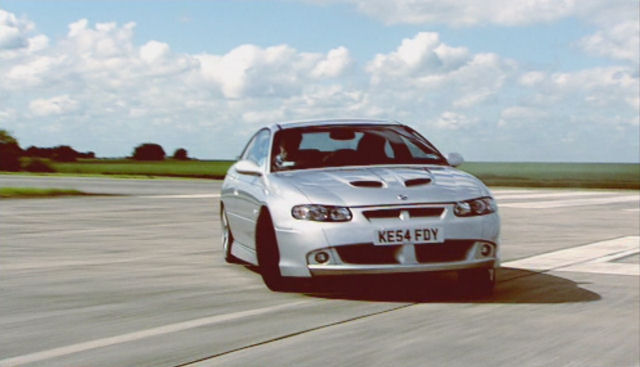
478,282
268,254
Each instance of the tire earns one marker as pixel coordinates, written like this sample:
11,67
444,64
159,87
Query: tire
227,238
478,282
268,254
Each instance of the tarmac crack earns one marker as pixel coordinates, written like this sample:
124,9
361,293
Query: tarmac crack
326,326
294,334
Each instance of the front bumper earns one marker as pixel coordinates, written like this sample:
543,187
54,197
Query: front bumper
357,269
350,250
370,259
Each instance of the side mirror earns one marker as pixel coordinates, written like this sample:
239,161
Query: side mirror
455,159
247,167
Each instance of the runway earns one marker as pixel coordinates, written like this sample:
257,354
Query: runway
138,279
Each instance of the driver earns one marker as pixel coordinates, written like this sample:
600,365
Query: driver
289,146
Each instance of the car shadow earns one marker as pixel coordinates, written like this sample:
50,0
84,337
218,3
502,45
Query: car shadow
513,286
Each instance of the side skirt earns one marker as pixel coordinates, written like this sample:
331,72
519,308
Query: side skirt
244,253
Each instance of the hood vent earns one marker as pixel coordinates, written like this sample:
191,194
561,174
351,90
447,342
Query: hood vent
417,182
374,184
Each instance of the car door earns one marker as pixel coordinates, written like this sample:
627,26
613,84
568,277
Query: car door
251,190
231,188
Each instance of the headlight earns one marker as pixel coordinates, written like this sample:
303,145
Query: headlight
479,206
321,213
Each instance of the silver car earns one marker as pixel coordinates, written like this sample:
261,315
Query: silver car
340,197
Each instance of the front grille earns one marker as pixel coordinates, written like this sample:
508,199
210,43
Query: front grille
368,253
381,213
453,250
395,213
425,212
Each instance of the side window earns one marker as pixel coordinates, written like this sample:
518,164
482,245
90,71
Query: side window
258,149
419,152
248,147
388,150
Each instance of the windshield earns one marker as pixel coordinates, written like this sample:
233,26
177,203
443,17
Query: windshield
350,145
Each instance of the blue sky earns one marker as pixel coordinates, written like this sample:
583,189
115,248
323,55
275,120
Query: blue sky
496,80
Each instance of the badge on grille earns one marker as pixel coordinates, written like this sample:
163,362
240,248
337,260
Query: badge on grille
402,197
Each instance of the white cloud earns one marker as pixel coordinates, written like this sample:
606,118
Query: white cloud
473,98
13,31
605,87
53,106
103,82
104,41
335,64
38,43
32,72
424,68
277,71
11,37
154,51
532,78
425,61
6,115
603,97
466,12
454,121
259,117
237,72
17,38
516,116
97,82
414,56
617,20
620,41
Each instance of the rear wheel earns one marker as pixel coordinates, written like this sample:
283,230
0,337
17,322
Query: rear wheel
478,282
227,238
268,254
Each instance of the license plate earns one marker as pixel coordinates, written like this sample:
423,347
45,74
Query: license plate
408,236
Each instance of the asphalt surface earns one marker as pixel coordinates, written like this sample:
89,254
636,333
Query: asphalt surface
138,279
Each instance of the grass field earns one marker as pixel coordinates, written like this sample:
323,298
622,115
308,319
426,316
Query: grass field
586,175
32,192
126,167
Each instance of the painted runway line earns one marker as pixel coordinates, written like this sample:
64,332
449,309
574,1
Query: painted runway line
52,233
509,191
56,263
543,195
592,258
162,330
549,204
182,196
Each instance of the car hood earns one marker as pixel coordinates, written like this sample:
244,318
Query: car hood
368,186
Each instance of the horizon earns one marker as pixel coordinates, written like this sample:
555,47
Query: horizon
502,82
168,156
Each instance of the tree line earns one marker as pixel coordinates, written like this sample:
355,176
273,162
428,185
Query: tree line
35,157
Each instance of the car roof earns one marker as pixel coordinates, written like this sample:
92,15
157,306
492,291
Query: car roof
310,123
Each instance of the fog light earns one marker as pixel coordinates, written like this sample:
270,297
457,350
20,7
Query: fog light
485,250
322,257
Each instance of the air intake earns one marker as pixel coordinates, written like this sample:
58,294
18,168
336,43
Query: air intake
417,182
395,213
366,183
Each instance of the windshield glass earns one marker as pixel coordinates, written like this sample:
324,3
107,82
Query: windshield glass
350,145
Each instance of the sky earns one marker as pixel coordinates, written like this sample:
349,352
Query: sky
495,80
